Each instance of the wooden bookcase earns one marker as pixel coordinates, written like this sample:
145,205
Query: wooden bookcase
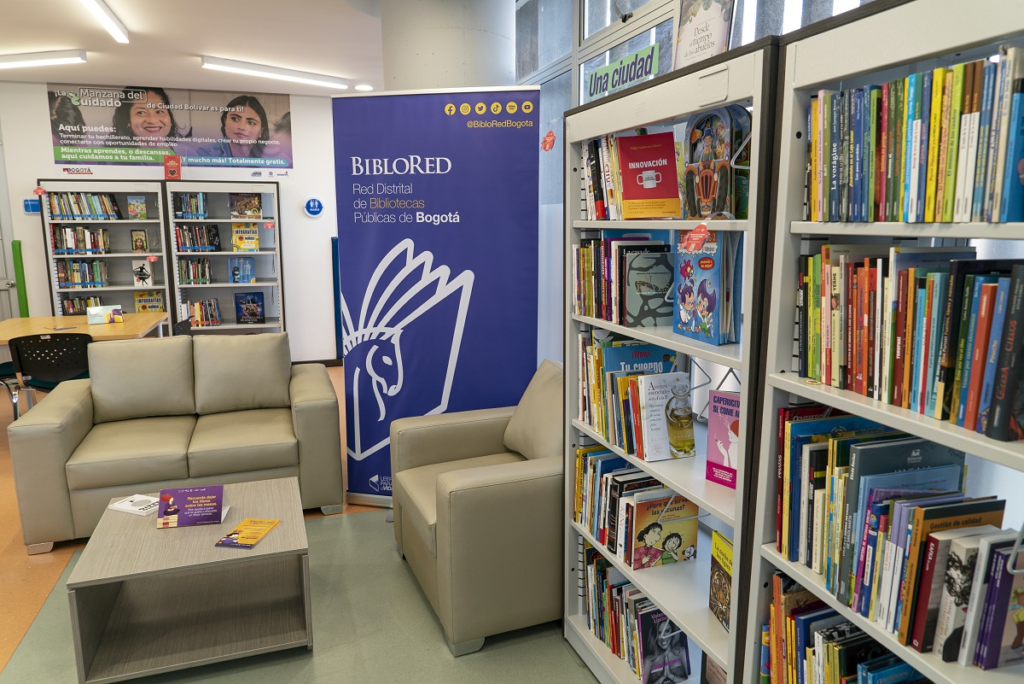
120,288
267,260
745,77
878,47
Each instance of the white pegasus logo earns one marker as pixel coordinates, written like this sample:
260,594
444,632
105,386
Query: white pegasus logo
403,287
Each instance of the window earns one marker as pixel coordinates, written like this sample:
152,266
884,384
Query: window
660,35
543,34
600,14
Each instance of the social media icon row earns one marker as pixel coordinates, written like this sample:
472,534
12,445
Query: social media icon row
496,107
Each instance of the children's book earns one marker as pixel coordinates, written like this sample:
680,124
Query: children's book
723,437
248,533
249,308
142,272
149,301
716,175
137,208
245,237
241,270
647,164
666,416
664,529
188,506
707,286
245,206
719,599
140,242
703,30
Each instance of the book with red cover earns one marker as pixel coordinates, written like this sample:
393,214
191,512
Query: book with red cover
647,165
901,339
979,352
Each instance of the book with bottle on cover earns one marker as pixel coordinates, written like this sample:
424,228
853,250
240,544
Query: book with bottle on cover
666,416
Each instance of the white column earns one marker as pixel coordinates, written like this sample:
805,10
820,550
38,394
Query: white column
448,43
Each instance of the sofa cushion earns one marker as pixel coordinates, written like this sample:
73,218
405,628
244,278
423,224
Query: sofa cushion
241,372
535,429
242,441
130,451
141,378
416,490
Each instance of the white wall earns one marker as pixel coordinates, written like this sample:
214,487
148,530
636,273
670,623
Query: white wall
306,242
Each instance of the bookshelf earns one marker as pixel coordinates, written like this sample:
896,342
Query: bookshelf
59,219
873,47
215,214
745,77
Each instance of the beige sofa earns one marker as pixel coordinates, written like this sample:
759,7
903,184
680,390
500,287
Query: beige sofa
173,412
478,508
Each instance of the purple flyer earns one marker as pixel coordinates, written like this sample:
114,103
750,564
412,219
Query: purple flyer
187,506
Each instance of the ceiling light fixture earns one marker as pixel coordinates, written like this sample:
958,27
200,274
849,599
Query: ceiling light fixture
107,19
364,87
262,71
31,59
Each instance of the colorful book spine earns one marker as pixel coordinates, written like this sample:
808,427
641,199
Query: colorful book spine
992,354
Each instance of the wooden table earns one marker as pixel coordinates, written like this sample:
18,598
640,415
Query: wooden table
145,601
135,326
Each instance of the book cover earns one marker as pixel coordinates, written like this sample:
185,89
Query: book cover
956,592
245,206
664,527
665,652
140,242
703,288
992,354
249,308
979,353
1006,411
149,301
719,599
241,270
248,533
648,285
188,506
142,273
707,176
137,208
1005,640
666,413
648,170
703,30
1012,209
723,448
245,237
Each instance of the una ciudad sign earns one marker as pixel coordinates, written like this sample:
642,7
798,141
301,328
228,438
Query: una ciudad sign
632,68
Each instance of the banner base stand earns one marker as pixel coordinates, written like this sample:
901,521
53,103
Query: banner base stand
369,500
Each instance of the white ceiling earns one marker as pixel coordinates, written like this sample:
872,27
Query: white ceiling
338,38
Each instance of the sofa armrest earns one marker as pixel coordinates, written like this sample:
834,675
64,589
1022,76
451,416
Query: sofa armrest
426,440
499,547
41,442
318,431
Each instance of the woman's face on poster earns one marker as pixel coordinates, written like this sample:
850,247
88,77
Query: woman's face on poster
244,126
149,120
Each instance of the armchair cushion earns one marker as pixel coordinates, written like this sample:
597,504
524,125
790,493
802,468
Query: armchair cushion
131,451
141,378
535,429
242,441
241,372
416,489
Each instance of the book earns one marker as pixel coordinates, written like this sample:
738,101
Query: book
142,273
245,205
723,448
958,579
647,282
241,270
249,308
1005,637
666,415
721,577
137,207
188,506
248,533
992,354
149,301
1006,422
140,242
648,170
665,653
716,168
703,30
665,528
136,504
707,285
1012,208
245,237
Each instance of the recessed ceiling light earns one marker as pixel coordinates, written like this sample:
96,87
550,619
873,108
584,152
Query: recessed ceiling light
31,59
263,71
107,19
364,87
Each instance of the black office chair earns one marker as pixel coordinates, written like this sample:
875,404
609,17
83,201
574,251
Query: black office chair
44,361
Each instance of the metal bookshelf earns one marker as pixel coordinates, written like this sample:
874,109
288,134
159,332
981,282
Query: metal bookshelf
267,260
120,289
875,47
746,77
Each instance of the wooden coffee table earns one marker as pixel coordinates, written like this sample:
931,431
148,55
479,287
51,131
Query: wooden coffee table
145,601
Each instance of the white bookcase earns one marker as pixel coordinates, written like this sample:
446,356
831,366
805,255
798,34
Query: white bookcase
681,591
120,288
875,49
267,260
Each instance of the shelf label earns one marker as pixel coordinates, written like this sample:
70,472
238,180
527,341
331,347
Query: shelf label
696,238
32,206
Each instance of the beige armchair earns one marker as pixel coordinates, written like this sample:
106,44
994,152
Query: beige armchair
477,510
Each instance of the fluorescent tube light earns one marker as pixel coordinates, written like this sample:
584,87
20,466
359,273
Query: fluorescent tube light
107,19
364,87
262,71
31,59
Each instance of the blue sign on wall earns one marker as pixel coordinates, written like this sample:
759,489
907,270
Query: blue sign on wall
313,208
437,241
